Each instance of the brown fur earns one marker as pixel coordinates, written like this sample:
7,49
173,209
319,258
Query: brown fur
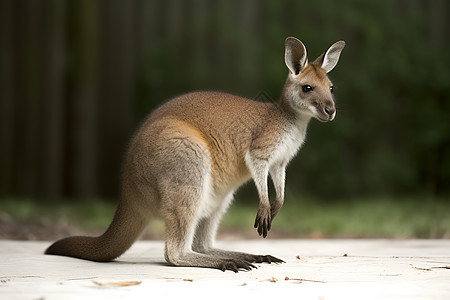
193,152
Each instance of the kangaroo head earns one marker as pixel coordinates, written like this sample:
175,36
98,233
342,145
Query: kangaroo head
308,88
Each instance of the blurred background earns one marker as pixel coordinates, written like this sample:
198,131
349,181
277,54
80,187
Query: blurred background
78,77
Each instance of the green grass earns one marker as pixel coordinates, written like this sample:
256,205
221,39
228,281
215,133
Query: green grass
88,214
368,217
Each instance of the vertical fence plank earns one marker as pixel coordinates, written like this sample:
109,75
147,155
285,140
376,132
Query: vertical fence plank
7,103
83,98
53,104
116,91
27,84
250,70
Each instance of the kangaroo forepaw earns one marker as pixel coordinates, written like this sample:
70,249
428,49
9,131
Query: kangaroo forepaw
275,208
263,221
236,265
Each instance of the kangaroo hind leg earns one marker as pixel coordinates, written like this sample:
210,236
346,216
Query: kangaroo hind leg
205,236
181,223
184,185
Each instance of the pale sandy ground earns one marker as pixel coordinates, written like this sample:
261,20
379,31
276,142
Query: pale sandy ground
314,269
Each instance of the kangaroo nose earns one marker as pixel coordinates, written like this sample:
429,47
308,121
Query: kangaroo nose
329,110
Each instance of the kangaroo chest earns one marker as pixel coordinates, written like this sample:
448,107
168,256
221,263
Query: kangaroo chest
289,143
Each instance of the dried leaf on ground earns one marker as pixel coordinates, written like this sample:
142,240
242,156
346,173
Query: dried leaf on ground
300,280
178,279
118,284
273,279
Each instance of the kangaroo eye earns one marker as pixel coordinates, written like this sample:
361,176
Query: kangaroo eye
332,89
307,88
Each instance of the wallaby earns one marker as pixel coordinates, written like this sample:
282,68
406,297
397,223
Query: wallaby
193,152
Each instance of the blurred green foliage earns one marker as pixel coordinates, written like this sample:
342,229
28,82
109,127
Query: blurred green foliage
392,132
353,218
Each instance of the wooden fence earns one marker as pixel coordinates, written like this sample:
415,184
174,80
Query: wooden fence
77,76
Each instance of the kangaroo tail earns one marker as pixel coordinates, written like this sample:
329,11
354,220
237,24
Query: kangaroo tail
125,228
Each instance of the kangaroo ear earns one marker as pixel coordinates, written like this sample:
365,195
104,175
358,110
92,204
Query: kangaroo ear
295,55
330,58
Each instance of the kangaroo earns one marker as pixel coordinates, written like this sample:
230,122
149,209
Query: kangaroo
190,155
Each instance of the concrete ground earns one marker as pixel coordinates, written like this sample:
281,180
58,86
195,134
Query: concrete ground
314,269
